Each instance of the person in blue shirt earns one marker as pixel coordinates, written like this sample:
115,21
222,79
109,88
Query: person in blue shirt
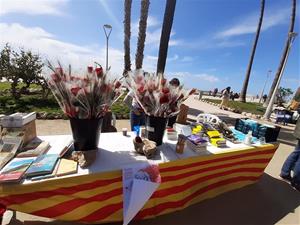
137,115
174,82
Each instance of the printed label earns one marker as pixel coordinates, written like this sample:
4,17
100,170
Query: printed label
151,129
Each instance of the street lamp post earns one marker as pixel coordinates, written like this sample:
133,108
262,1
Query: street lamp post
263,90
292,36
107,30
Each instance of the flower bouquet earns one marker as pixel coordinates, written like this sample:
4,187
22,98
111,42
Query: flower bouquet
158,98
84,99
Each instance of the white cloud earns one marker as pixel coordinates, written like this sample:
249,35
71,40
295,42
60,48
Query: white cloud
110,13
153,32
292,80
48,46
173,58
33,7
151,57
153,21
229,44
248,25
187,59
208,77
203,76
203,81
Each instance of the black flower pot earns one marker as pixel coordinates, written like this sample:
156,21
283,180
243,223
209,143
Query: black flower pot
155,128
86,133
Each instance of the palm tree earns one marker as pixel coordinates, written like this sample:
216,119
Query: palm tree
165,35
247,77
127,34
139,56
284,53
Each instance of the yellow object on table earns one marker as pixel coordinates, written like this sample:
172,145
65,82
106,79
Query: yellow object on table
197,129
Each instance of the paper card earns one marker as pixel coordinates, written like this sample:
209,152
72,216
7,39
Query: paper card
143,177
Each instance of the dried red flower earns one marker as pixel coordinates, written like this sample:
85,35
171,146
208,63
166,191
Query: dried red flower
165,90
141,89
117,84
90,69
59,70
75,90
164,99
163,81
99,72
55,77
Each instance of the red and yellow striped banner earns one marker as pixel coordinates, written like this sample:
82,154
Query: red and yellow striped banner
98,198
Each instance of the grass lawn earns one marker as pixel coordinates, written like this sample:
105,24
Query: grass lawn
250,107
34,102
30,103
6,85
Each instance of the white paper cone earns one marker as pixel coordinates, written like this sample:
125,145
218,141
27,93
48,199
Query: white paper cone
141,192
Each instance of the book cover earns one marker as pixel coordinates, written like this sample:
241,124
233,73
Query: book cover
67,149
66,166
11,144
15,169
34,149
47,176
44,164
5,158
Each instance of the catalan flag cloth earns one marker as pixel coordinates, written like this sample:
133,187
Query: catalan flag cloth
95,195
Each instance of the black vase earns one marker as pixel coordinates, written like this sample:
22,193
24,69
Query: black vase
86,133
155,128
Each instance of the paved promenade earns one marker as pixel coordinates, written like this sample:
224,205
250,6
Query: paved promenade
269,201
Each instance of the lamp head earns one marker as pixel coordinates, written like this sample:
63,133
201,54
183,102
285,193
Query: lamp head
107,26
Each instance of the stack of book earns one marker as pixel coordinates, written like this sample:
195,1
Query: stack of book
33,162
20,122
196,142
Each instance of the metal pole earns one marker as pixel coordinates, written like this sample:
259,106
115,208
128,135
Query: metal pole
263,90
106,68
272,100
107,27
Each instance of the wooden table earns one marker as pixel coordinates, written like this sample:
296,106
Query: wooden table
94,195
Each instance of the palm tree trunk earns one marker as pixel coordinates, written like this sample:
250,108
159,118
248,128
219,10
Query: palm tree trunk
165,35
285,52
139,56
127,34
247,77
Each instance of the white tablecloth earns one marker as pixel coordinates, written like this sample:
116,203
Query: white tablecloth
117,151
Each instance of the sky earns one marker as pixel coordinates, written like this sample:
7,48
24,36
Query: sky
210,42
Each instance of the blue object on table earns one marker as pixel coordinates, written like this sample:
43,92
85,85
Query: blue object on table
136,130
241,136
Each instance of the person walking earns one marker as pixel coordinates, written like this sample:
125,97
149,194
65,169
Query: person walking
292,163
265,98
215,92
225,98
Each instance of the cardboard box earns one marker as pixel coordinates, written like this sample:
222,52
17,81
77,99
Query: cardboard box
17,119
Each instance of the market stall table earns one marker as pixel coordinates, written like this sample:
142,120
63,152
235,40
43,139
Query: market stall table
94,195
